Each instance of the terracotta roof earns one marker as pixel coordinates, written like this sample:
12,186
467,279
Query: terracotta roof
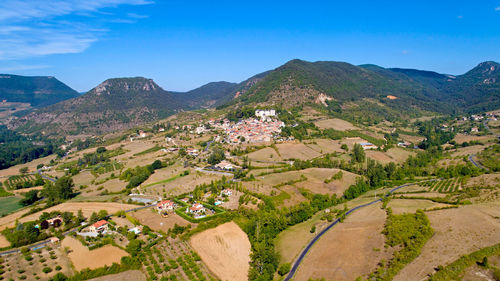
100,223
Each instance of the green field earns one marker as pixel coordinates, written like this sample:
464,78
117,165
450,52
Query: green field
9,205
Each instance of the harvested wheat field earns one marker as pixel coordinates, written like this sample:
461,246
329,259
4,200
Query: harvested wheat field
86,207
336,124
82,257
156,222
347,250
314,182
296,151
130,275
225,250
379,156
400,206
457,232
460,138
4,242
265,154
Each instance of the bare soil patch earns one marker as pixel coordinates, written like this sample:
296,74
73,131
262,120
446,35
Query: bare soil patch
457,232
348,250
225,250
82,258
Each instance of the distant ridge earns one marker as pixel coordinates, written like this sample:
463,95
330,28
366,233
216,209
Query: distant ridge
36,90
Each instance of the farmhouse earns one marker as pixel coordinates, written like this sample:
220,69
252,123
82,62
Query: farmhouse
474,130
99,226
368,145
196,208
225,165
165,205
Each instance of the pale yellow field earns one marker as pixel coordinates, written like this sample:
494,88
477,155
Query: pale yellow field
4,242
346,251
86,207
181,185
82,258
225,250
457,232
324,146
460,138
400,206
336,124
290,242
314,183
296,151
14,170
265,154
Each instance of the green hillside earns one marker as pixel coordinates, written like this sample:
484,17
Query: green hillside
36,90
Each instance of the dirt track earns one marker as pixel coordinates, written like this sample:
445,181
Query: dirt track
225,250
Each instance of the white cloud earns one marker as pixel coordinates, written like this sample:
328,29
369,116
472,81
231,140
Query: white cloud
497,8
460,17
31,28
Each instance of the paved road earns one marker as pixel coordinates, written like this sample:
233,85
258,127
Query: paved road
208,145
39,171
318,236
471,159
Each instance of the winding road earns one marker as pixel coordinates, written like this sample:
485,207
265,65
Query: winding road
318,236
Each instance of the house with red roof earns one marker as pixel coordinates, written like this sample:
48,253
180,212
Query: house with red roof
165,205
99,226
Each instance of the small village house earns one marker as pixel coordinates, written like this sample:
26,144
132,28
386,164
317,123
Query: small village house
99,226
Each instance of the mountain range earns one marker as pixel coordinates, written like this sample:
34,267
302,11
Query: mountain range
36,90
122,103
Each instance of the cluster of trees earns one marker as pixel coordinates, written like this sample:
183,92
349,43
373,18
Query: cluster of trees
18,149
407,232
263,226
34,231
59,191
139,174
240,113
216,156
434,135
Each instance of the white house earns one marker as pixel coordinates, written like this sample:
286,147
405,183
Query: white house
265,114
227,192
165,205
196,208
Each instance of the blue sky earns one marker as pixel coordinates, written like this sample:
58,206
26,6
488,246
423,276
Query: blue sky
185,44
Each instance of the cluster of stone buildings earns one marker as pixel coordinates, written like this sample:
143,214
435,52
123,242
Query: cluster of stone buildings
253,130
